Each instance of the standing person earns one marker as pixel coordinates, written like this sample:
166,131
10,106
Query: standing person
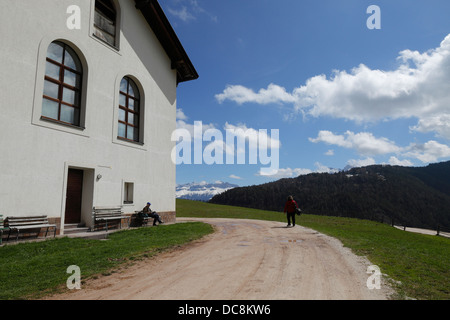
289,209
152,214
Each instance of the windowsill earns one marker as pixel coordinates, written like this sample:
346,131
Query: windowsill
66,124
130,141
117,49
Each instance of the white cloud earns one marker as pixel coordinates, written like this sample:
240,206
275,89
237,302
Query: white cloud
330,138
285,173
292,173
394,161
320,168
241,95
182,13
189,10
182,124
439,124
419,87
364,143
367,145
232,176
253,136
181,115
240,131
431,151
361,162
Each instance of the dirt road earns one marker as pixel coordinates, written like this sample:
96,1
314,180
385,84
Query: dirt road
245,260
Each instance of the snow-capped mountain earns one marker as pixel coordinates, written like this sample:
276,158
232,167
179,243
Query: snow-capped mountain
202,191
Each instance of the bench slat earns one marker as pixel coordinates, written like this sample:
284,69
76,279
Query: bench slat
24,220
35,226
108,213
27,218
26,223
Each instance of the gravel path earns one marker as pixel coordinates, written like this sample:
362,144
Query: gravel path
243,260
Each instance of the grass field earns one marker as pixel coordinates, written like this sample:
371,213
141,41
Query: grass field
30,270
419,264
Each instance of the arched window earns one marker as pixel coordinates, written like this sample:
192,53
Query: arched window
129,110
105,21
62,84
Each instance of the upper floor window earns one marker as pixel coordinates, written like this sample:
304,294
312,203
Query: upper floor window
62,84
129,110
105,21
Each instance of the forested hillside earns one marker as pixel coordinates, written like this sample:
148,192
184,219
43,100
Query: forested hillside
416,197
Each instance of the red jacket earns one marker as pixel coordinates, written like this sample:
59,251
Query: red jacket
290,206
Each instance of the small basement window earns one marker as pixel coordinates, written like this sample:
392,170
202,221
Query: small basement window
128,193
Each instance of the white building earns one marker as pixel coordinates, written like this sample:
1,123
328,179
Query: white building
88,106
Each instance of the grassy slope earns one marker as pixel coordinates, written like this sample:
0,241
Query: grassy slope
420,262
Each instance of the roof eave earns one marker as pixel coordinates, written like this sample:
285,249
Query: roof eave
155,17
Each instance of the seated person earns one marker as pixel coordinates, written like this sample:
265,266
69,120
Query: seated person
147,212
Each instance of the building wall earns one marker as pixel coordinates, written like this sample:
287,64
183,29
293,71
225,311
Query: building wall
35,155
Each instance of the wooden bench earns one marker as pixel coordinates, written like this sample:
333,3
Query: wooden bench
2,228
107,214
27,223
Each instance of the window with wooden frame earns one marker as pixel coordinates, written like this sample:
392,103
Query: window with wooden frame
62,85
129,111
105,21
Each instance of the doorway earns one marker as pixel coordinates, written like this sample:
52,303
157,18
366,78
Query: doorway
74,196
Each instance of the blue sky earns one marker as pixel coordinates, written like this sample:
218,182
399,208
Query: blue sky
338,92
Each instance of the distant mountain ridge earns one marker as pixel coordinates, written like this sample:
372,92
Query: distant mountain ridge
202,191
412,196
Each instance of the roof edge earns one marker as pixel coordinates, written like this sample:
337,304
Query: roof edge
156,18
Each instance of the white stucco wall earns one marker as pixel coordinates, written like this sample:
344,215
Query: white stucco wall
35,155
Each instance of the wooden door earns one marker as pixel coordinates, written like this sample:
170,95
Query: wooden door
73,196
